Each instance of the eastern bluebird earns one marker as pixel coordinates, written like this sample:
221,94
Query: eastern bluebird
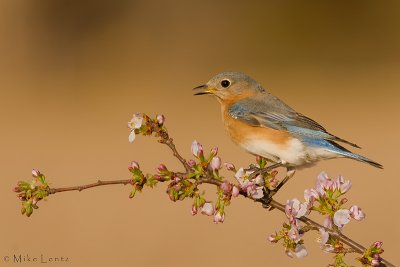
264,125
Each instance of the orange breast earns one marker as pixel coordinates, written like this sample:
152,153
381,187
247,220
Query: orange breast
241,132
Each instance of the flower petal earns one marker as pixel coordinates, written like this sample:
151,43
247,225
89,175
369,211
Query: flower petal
132,136
341,217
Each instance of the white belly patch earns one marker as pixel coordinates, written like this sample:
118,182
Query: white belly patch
293,153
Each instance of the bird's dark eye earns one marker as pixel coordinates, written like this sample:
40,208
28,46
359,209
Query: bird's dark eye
225,83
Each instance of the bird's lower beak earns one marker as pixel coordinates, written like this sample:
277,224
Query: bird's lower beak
205,90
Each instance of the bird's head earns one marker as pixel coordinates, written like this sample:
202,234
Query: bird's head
230,85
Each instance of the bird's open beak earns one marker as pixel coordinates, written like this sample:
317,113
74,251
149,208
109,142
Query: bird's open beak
205,90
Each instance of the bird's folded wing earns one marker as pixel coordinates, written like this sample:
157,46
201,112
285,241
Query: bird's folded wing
279,116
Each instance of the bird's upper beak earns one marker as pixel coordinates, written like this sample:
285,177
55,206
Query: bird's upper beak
205,90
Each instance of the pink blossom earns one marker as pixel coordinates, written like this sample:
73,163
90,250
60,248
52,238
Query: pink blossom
36,173
345,186
191,163
235,191
135,123
214,151
226,187
208,209
310,195
252,190
197,149
299,252
249,186
357,213
215,163
239,175
134,165
160,119
341,217
219,218
378,244
229,166
295,208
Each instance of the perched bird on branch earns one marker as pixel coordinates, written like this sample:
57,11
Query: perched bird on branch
264,125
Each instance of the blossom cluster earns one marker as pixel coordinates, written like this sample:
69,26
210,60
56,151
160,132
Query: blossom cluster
326,198
30,193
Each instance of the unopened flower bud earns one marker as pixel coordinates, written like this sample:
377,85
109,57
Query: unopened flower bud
226,187
35,201
158,178
357,213
229,166
235,191
219,218
17,189
191,163
194,210
197,149
272,238
133,166
343,201
208,209
160,119
376,260
36,173
378,244
161,169
214,151
215,163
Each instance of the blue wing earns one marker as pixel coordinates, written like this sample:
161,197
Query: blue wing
273,113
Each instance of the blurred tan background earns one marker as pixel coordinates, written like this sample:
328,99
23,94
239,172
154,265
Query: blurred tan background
73,72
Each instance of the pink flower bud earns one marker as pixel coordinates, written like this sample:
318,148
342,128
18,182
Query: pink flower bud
191,163
36,173
35,201
215,163
226,187
17,189
133,166
197,149
158,178
208,209
214,151
272,238
219,218
229,166
376,260
194,210
235,191
161,169
357,213
378,244
160,119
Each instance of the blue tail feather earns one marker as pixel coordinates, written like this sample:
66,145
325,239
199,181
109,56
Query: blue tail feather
336,148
